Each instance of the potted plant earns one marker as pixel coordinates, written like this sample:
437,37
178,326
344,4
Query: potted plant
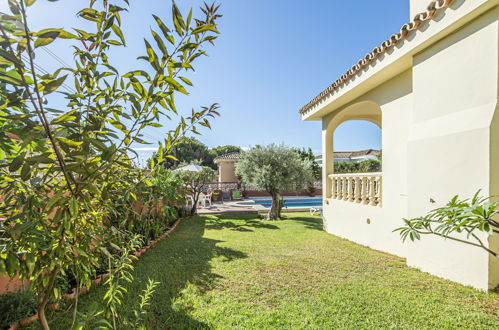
217,195
311,190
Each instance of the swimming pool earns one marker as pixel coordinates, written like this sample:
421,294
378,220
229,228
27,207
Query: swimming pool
289,201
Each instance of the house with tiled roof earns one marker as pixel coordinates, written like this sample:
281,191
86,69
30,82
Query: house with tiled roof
227,167
352,156
432,88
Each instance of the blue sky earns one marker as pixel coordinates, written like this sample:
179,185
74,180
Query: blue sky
272,57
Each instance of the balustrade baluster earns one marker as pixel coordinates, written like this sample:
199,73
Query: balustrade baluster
351,191
334,182
340,188
372,191
345,188
358,189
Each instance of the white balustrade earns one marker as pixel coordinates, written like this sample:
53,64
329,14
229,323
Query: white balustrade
362,188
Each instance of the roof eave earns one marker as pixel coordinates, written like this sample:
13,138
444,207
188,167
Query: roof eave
398,59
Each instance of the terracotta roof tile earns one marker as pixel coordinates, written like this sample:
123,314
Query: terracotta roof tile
229,156
415,24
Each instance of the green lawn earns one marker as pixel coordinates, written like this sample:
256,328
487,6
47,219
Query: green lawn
237,271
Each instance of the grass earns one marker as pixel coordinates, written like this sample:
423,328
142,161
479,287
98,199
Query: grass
235,271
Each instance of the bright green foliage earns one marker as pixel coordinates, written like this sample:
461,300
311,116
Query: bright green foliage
62,170
187,150
15,306
274,168
239,272
196,182
307,154
150,207
120,274
365,166
190,149
469,216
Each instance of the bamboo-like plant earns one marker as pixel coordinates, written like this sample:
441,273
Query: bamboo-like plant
58,166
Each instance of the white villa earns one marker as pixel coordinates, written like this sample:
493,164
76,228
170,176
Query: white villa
433,89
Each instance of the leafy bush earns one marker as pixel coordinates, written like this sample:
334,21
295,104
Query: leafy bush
15,306
67,173
365,166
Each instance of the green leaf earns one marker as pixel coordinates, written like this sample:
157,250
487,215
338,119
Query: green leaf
12,77
69,142
187,81
176,85
161,44
29,2
162,26
11,57
47,36
68,116
116,29
14,7
12,264
30,262
178,20
53,85
203,28
3,267
26,172
73,207
17,162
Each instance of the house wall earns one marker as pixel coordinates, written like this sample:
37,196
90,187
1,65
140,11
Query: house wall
455,97
227,171
433,117
369,225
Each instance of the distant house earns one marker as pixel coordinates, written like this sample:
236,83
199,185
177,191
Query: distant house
227,167
352,156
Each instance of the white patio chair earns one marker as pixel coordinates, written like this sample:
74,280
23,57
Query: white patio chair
314,210
201,200
207,198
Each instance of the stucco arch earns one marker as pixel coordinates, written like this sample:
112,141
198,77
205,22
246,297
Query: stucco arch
362,110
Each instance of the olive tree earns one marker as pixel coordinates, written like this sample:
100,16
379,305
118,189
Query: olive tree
469,217
274,168
58,165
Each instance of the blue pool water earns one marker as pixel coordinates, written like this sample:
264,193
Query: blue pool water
288,201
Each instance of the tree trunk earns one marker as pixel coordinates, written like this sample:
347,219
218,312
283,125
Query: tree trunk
275,209
43,300
42,318
195,198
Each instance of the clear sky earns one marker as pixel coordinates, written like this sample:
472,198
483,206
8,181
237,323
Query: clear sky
272,57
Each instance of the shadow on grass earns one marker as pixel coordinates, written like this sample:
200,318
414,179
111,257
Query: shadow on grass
245,223
308,222
181,263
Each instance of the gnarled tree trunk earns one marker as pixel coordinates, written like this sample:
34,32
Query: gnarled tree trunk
275,209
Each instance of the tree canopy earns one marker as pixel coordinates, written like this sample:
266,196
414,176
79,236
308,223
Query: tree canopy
190,149
274,168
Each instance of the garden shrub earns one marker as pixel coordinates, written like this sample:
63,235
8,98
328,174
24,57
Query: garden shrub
365,166
15,306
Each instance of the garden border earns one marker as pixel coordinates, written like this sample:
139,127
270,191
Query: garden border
100,278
